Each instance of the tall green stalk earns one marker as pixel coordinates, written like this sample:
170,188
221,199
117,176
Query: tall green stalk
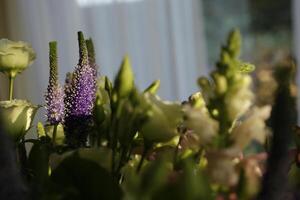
11,86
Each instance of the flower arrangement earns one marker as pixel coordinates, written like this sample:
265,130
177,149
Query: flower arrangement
109,140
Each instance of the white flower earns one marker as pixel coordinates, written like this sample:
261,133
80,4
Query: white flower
16,117
252,128
164,118
199,121
221,168
15,56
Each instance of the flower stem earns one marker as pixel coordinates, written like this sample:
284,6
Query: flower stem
11,86
177,150
142,160
147,147
54,134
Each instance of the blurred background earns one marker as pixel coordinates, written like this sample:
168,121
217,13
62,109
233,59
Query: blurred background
175,41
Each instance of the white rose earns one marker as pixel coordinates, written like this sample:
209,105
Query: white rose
16,117
15,56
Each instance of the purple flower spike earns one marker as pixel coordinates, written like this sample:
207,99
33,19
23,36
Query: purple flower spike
81,92
55,93
55,104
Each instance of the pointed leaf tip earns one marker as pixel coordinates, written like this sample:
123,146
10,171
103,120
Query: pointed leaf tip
153,87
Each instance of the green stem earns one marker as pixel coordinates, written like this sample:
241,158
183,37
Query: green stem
177,150
147,147
11,86
141,161
54,134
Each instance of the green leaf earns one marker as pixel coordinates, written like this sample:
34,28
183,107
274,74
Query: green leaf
78,178
193,184
190,184
102,108
40,129
60,136
102,156
154,176
38,165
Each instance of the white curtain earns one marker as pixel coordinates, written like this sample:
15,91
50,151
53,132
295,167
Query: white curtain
164,39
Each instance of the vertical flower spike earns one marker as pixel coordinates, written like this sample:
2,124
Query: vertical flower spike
55,95
80,97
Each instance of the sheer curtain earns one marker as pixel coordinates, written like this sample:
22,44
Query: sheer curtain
164,38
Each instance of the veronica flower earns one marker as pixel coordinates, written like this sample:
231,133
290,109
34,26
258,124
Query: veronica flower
81,92
55,93
80,96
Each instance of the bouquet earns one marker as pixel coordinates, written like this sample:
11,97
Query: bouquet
106,139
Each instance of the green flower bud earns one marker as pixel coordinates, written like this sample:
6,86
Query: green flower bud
164,118
225,58
153,87
15,56
16,116
234,43
125,79
246,67
220,83
204,83
196,100
206,88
